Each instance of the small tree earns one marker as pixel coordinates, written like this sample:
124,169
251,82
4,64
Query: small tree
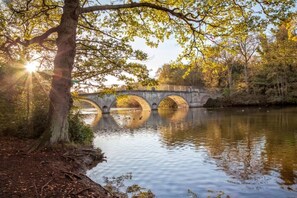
247,47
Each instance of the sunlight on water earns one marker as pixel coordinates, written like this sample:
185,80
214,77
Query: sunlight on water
211,152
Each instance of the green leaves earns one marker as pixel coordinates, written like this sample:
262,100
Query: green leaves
104,36
180,74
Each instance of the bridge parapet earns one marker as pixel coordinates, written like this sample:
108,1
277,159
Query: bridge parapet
87,89
161,88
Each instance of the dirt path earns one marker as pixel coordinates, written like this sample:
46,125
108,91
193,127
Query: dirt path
46,173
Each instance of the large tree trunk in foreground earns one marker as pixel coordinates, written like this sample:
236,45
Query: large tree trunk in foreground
60,97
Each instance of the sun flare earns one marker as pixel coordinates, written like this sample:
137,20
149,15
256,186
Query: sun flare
31,66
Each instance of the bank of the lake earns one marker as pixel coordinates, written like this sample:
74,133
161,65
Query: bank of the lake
56,172
243,99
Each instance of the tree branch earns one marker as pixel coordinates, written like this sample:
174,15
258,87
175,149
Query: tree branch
173,12
262,7
38,39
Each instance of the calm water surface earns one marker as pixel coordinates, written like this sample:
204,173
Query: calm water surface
211,152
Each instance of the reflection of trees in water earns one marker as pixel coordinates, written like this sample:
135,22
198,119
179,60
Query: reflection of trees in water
281,147
173,115
244,145
188,130
132,119
235,148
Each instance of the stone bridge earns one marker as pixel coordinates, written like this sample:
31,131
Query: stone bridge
148,99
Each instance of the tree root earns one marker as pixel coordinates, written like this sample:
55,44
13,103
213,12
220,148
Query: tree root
83,190
46,184
36,191
45,141
69,174
41,143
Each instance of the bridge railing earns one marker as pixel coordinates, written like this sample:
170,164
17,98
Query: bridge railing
144,88
161,88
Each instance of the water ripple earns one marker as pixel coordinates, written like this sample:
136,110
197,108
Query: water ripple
215,153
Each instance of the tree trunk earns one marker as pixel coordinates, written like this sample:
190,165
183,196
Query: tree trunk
246,77
60,97
278,87
230,79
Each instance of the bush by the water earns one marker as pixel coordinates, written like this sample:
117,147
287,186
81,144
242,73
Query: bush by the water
79,132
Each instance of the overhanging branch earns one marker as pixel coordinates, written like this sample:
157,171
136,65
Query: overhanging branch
38,39
185,17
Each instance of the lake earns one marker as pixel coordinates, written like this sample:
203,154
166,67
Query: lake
235,152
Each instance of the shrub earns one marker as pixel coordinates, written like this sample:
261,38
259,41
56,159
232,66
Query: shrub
79,132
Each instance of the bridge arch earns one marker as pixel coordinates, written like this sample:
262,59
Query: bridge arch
144,104
180,101
94,104
204,99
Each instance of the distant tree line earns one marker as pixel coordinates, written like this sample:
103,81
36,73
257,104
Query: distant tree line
261,67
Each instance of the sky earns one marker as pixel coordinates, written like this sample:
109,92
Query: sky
165,53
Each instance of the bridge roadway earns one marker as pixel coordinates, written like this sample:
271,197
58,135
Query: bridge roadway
148,99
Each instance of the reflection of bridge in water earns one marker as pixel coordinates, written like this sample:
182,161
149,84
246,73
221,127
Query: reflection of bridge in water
183,96
149,119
